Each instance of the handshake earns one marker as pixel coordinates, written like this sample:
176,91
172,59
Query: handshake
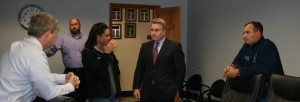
73,79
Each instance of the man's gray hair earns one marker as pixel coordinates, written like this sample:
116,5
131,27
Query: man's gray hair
41,23
161,22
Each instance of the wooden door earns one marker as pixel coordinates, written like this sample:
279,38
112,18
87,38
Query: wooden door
172,17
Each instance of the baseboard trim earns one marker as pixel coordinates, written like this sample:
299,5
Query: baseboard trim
126,93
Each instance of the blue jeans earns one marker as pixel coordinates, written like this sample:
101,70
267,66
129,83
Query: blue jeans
112,98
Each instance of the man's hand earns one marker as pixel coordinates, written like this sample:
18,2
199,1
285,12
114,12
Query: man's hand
74,80
111,45
231,71
137,94
69,75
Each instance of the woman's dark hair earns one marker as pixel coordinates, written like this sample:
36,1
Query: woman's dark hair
97,29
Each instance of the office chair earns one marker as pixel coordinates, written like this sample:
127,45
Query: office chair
243,89
283,88
193,89
215,90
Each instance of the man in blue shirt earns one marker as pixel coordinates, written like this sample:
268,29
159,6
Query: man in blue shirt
71,46
257,56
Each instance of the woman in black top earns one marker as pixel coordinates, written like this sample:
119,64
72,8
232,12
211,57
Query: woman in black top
102,70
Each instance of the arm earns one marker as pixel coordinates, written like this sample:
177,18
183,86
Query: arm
116,62
59,78
63,78
138,75
54,48
265,60
95,62
42,80
179,64
232,70
139,71
240,56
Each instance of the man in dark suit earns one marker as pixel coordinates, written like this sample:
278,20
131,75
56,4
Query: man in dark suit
160,69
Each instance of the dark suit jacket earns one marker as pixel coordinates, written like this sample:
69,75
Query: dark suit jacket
168,72
97,75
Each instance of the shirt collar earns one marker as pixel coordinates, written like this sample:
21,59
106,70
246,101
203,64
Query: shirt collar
161,41
36,41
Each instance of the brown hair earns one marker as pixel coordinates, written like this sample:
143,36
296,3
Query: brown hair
41,23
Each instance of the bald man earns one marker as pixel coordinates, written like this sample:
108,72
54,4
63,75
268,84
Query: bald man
71,45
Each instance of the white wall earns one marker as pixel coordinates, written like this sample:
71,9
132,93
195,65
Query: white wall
88,11
215,33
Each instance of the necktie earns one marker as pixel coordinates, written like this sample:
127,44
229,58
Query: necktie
155,52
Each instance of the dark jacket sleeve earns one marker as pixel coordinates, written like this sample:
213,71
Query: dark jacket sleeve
116,62
96,62
180,66
237,62
139,71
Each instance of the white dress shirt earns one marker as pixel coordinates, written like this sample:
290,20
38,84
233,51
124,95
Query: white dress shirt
25,74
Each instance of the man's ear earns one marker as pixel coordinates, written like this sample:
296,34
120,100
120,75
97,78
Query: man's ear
165,31
257,34
47,34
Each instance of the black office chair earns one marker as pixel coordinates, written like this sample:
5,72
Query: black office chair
243,89
283,88
215,90
193,89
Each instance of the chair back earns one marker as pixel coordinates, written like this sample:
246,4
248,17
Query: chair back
243,89
193,88
283,88
195,83
217,87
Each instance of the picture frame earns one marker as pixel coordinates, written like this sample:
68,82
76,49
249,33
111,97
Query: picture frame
130,14
116,31
116,14
130,30
144,15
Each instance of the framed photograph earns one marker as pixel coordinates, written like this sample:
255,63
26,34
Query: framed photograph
116,14
130,30
144,15
130,14
116,31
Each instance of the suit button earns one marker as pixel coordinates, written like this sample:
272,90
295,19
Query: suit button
153,70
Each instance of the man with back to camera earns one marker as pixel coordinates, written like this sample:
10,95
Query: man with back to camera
257,56
71,46
160,69
24,68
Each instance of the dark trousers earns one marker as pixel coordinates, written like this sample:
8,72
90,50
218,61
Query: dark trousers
80,94
154,96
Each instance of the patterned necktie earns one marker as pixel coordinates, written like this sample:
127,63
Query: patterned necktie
155,52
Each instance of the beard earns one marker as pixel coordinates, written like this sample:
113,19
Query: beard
75,31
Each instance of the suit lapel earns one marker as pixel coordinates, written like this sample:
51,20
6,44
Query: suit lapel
150,49
163,49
